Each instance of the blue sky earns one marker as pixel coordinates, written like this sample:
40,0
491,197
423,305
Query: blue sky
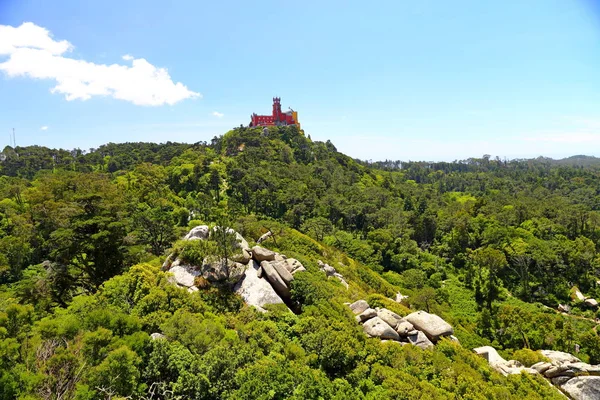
418,80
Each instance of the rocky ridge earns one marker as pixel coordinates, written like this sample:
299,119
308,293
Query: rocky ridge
419,328
260,276
576,379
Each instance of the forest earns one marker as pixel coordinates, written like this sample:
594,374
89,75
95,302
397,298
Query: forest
493,246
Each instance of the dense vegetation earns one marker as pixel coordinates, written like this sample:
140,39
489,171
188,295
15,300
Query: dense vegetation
493,246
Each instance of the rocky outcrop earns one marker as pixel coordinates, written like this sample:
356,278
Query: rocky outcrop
376,327
559,357
386,324
254,290
430,324
579,380
583,387
331,272
511,367
258,285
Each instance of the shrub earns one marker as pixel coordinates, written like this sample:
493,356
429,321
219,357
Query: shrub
528,357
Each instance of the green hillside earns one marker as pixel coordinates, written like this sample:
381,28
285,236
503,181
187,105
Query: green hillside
491,246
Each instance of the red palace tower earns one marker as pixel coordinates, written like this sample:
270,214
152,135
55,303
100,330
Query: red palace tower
278,118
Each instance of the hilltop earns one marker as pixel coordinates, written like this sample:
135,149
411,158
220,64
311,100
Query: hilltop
493,247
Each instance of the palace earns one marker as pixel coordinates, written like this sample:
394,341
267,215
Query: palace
278,118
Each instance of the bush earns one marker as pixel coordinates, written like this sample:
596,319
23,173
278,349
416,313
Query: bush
528,357
193,252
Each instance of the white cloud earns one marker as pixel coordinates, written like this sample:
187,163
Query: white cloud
44,128
32,52
218,114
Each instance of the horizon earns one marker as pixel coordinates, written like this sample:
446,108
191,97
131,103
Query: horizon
403,81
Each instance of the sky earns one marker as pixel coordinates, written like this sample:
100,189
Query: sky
400,80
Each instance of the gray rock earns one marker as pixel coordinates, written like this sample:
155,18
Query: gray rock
376,327
262,254
581,367
236,272
359,306
583,387
275,280
541,366
280,267
490,354
404,327
564,308
559,357
243,258
391,318
301,269
366,315
292,265
256,291
168,261
199,232
259,272
192,289
454,339
400,297
264,237
432,325
215,269
559,370
591,303
184,276
340,278
420,340
560,380
157,336
328,269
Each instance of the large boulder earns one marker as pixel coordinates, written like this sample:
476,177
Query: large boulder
591,303
243,257
359,306
419,339
157,336
216,269
281,268
183,275
376,327
559,357
294,266
199,232
404,327
256,291
366,315
583,388
391,318
430,324
262,254
490,354
264,237
275,280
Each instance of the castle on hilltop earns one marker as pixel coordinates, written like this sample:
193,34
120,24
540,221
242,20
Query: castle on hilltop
278,118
